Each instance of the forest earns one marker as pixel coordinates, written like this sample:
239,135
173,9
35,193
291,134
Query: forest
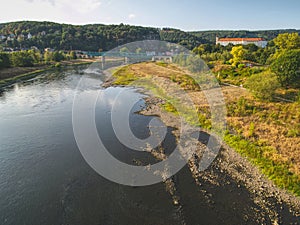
210,36
100,37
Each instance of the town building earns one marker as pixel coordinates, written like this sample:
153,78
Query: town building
260,42
49,50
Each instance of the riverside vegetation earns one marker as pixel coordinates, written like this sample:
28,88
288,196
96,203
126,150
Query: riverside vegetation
263,119
26,64
94,37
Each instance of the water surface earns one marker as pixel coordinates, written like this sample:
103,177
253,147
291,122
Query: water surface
45,180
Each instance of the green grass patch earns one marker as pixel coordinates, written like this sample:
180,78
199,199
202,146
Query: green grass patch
237,76
123,76
278,172
163,64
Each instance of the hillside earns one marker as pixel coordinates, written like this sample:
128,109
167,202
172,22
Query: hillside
94,37
210,36
91,37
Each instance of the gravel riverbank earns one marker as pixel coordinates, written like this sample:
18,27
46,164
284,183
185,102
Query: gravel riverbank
231,190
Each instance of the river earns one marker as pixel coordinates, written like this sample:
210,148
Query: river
44,179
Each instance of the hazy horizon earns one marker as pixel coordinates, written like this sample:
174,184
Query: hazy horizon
188,16
153,26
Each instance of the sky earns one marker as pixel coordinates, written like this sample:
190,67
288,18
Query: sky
188,15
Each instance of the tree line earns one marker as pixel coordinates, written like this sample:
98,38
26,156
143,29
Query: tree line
210,36
264,69
27,58
100,37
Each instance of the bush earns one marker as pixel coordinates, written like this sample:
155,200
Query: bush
73,55
240,66
263,85
22,59
286,68
242,107
56,56
4,60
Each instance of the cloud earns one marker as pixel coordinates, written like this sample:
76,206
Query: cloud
62,11
80,6
50,1
131,16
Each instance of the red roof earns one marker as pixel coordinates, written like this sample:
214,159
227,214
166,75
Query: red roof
241,39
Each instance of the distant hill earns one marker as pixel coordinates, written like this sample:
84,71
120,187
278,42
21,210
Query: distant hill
185,39
64,36
210,36
94,37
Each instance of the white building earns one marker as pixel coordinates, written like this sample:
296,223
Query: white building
11,37
29,36
260,42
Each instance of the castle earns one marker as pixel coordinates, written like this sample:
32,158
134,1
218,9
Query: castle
260,42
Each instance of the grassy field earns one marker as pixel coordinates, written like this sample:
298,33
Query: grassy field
267,133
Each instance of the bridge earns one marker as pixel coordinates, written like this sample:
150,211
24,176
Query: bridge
127,57
117,54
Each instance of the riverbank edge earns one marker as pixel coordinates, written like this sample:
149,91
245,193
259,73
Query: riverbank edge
29,75
278,172
238,166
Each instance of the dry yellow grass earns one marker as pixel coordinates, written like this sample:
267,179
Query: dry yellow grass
269,123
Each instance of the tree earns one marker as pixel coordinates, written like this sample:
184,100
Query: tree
48,56
4,60
73,55
263,85
55,56
36,55
251,47
287,68
287,41
22,59
238,53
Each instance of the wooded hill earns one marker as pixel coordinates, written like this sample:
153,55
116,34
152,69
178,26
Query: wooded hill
210,36
95,37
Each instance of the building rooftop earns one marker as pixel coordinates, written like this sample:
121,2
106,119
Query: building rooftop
241,39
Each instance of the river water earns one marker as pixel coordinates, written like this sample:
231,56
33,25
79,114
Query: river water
45,180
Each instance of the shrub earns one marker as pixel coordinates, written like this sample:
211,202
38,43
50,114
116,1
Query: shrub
262,85
55,56
286,68
4,60
22,59
241,66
